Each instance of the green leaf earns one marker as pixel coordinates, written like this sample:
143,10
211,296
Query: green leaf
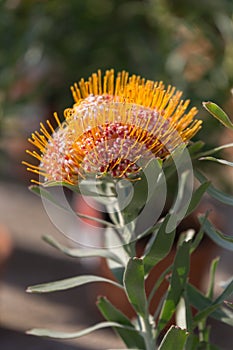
175,338
188,312
177,285
213,267
201,302
195,147
218,113
213,192
81,253
197,196
69,283
131,338
215,150
202,315
134,285
159,246
194,343
64,335
217,236
228,291
221,161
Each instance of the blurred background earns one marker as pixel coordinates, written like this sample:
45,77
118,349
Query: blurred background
47,45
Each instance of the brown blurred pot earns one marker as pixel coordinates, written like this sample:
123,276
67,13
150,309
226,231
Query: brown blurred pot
5,247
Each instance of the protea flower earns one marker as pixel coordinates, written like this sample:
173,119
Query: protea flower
115,127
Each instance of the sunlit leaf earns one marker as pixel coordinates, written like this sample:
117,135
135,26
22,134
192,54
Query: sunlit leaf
218,113
212,274
69,283
64,335
215,150
221,161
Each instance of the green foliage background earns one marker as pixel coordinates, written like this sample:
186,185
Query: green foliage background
182,42
47,45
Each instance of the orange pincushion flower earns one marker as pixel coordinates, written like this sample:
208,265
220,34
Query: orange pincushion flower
116,125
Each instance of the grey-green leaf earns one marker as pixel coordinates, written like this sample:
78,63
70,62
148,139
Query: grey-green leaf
214,150
64,335
69,283
81,253
134,285
218,113
114,244
44,193
216,235
131,338
213,192
217,160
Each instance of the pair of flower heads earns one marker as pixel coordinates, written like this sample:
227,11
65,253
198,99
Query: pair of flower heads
117,124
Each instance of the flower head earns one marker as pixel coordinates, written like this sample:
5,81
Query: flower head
117,124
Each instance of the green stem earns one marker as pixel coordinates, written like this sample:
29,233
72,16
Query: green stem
147,332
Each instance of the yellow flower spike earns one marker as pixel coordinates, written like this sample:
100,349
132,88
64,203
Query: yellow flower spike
116,122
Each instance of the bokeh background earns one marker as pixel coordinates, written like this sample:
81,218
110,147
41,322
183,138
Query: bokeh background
47,45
